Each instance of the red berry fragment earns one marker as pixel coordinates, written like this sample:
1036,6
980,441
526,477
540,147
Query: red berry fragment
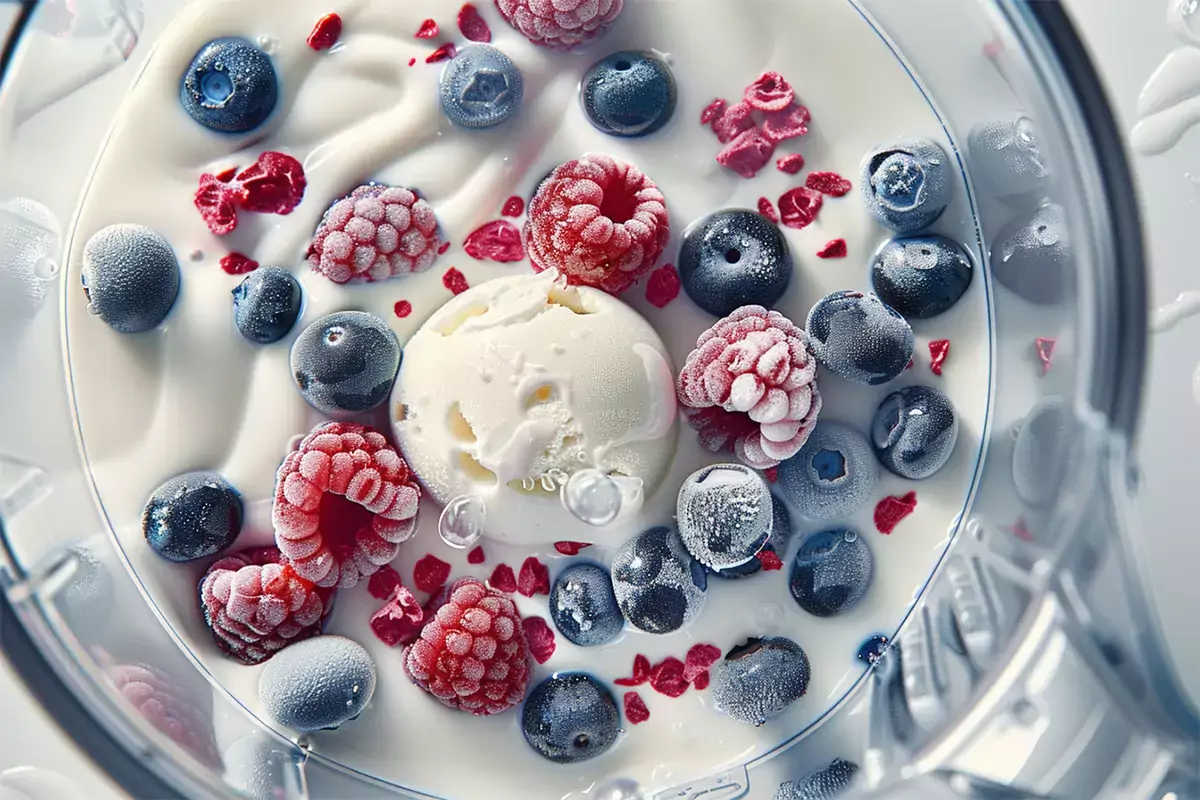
472,25
771,474
699,658
402,308
476,556
326,32
274,184
513,207
496,241
384,582
667,677
540,637
534,578
891,510
791,163
713,110
1021,530
771,92
829,183
747,154
503,579
770,560
767,209
227,175
1045,352
570,548
799,207
443,53
790,123
729,123
663,286
635,708
428,30
836,248
938,350
701,681
412,62
641,672
400,619
430,573
455,281
238,264
215,201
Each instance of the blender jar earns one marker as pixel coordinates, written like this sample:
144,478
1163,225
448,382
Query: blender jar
1029,666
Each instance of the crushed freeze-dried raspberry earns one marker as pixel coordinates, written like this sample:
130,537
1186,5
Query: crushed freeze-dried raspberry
326,32
1045,352
799,207
790,123
215,201
503,579
731,122
663,286
770,560
747,154
891,510
561,24
641,672
496,241
534,578
472,25
767,209
699,658
771,92
227,175
713,110
1020,529
667,677
274,184
791,163
570,548
455,281
910,364
835,248
412,62
384,582
430,573
443,53
701,681
402,308
540,638
428,30
238,264
635,708
400,619
771,474
829,183
938,350
513,206
476,556
442,250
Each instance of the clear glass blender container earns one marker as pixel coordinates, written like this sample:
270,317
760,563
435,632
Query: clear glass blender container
1030,666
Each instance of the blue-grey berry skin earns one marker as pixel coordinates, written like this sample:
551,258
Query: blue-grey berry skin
266,304
317,684
907,184
833,475
254,766
760,679
1042,453
584,607
569,718
1006,161
831,572
480,87
659,586
921,276
131,277
1033,256
230,86
724,515
346,363
630,93
824,784
914,432
777,542
860,338
734,258
192,516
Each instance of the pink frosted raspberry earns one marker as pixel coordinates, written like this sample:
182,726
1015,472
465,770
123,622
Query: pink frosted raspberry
598,221
750,387
560,24
344,501
183,716
255,604
375,233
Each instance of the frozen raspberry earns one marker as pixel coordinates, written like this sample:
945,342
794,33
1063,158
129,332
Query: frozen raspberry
663,286
534,578
428,30
668,678
938,351
560,24
699,658
635,708
255,605
384,582
326,32
641,672
791,122
701,681
238,264
443,53
767,209
829,183
747,154
185,716
274,184
771,92
513,206
1045,352
375,233
496,241
713,110
834,248
570,548
799,207
892,510
476,556
770,560
540,638
791,163
402,308
344,501
729,123
750,387
472,653
215,199
473,27
599,221
503,579
400,619
430,573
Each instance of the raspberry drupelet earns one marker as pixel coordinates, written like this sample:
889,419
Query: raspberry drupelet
560,24
598,221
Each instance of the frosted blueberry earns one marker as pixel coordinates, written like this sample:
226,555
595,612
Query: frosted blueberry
860,338
192,516
1033,256
317,684
630,93
921,276
831,572
345,363
570,718
824,784
583,606
760,679
266,304
592,497
1042,453
131,277
777,542
724,515
833,475
907,184
1007,162
658,585
914,431
734,258
480,87
230,86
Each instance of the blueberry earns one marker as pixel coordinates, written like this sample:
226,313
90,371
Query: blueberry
630,93
583,606
914,431
907,184
346,362
833,475
230,86
658,585
921,276
831,572
1042,453
760,679
824,784
317,684
191,516
266,305
1007,161
860,338
570,718
480,87
734,258
1033,256
131,277
724,514
777,542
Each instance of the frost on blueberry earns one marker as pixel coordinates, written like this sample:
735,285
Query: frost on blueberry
1007,161
570,718
480,87
317,684
658,585
833,475
266,305
1033,256
859,338
192,516
921,276
777,543
346,363
629,93
824,784
724,514
914,431
230,86
906,184
760,679
584,607
831,572
131,277
734,258
1042,455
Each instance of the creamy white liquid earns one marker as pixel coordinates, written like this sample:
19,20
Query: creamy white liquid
194,394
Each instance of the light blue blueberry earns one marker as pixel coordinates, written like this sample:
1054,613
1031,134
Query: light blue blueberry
131,277
724,514
480,87
833,475
317,684
1006,161
1033,256
907,184
760,679
630,93
230,86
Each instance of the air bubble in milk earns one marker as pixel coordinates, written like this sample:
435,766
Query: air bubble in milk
461,523
592,497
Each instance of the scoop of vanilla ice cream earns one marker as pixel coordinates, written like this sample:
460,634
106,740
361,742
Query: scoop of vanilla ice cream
520,382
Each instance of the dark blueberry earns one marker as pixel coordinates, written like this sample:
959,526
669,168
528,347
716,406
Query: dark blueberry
907,184
824,784
317,684
1042,454
873,649
914,431
777,542
724,513
583,606
480,87
658,585
346,362
921,276
1033,256
760,679
131,277
570,718
230,86
732,259
1007,161
831,573
630,93
833,475
860,338
266,305
195,515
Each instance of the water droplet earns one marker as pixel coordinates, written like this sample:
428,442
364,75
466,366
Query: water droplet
592,497
851,537
461,523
